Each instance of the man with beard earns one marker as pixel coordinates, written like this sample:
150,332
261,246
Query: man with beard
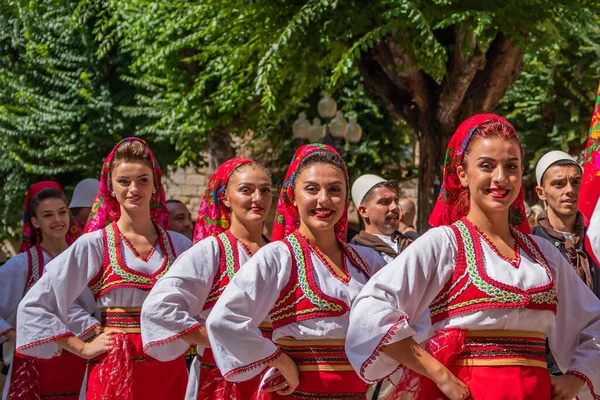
180,218
377,203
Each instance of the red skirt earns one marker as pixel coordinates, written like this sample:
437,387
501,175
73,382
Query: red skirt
213,386
126,373
58,378
495,365
324,370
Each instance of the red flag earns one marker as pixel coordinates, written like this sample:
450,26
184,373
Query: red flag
590,184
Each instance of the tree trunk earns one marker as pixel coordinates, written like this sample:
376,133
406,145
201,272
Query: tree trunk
219,147
474,83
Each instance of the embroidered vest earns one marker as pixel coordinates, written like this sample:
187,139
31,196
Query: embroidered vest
229,264
116,274
35,266
472,289
302,299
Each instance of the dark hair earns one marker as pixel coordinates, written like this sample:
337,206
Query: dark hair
131,150
392,184
554,164
44,194
321,157
174,201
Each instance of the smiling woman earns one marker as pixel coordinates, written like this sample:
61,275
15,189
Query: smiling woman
120,258
45,235
494,293
304,282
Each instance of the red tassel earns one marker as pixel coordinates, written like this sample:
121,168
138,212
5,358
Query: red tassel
115,373
445,346
25,379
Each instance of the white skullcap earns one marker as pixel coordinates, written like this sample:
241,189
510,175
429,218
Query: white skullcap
85,193
550,158
362,186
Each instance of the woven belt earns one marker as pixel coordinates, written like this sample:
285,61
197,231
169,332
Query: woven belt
126,319
503,347
316,355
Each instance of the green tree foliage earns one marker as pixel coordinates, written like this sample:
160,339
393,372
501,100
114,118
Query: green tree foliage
552,101
230,65
58,100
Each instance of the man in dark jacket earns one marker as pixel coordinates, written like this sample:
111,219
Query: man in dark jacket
559,177
558,180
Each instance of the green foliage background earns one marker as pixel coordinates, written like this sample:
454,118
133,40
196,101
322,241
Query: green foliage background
76,76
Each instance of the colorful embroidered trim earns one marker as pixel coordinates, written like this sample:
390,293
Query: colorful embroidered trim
35,267
497,348
229,264
192,351
316,355
385,340
116,274
251,366
586,380
126,319
471,288
302,298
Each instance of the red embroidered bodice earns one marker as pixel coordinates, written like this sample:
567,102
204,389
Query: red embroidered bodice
116,274
35,266
229,264
472,289
302,299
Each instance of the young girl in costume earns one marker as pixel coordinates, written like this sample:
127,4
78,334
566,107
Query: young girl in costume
494,293
46,234
126,250
228,232
305,282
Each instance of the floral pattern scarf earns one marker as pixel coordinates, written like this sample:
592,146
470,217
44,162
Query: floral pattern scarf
31,235
213,216
287,218
453,203
106,208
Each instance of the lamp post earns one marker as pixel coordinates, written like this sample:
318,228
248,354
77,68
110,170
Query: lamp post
336,130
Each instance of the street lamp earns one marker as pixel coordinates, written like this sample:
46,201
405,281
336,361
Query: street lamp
335,131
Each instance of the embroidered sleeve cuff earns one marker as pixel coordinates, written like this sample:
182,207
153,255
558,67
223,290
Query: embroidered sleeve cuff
379,365
89,332
3,332
43,349
230,376
171,347
587,381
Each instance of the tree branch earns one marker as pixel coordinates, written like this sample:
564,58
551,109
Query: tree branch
504,62
461,72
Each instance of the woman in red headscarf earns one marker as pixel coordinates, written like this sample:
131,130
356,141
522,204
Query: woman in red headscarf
120,258
494,293
228,232
46,234
305,283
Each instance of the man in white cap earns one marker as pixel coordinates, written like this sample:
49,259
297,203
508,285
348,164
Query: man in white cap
558,179
377,203
83,199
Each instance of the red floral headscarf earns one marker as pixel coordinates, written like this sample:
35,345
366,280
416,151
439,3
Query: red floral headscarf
450,205
213,216
590,184
32,235
106,208
287,218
